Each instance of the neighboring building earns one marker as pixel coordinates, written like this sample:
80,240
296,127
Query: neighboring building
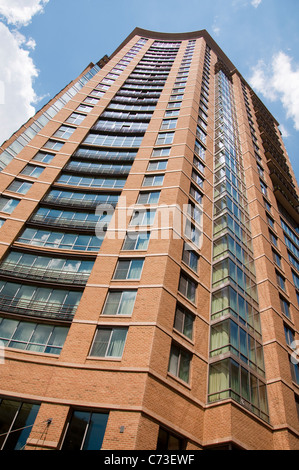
149,280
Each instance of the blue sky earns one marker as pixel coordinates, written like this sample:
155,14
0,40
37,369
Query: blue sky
44,44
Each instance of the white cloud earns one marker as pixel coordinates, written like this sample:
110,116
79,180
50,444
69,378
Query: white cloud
20,12
17,74
215,27
285,133
279,81
17,71
256,3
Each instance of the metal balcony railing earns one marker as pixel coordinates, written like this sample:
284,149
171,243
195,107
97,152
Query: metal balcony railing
67,223
28,307
43,274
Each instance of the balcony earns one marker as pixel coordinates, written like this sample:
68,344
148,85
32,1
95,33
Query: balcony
64,222
91,203
56,276
32,308
97,168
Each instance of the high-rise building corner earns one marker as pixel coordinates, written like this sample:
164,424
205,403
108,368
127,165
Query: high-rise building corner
149,267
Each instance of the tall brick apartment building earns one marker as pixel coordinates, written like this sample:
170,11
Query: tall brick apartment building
149,281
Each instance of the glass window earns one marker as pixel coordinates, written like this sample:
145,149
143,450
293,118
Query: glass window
161,152
8,205
183,321
285,307
280,280
151,197
289,335
85,431
156,180
169,441
16,421
157,165
165,138
187,287
129,269
32,170
190,257
179,363
76,118
169,124
109,342
120,302
21,187
53,145
44,157
142,218
136,241
32,336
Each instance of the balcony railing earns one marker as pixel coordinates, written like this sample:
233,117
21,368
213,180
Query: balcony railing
68,223
43,274
97,169
28,307
72,202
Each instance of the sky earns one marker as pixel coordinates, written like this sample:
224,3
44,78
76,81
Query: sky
44,44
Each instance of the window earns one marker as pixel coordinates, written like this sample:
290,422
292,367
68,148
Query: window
76,118
276,258
196,194
85,431
156,180
273,238
197,178
32,170
129,269
169,124
165,138
53,145
142,218
187,287
169,441
285,307
16,420
148,197
280,280
198,164
136,241
29,336
190,257
44,157
295,279
120,302
60,240
84,108
91,182
270,221
297,405
193,233
183,321
109,342
157,165
179,363
294,369
21,187
8,205
289,335
263,188
161,152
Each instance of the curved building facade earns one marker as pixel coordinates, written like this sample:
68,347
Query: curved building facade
149,281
